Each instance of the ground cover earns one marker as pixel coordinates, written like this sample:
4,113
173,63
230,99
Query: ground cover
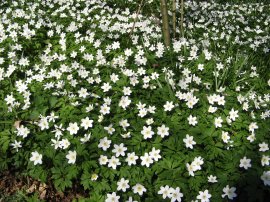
94,106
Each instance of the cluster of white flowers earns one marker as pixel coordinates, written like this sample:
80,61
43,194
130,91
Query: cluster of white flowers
190,99
123,185
195,165
218,99
171,193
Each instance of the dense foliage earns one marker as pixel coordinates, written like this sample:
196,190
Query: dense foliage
84,101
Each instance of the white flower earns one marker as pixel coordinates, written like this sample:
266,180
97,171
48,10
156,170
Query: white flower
168,106
36,158
126,135
106,87
266,178
151,109
154,154
124,102
114,77
119,150
245,163
245,106
218,122
43,123
124,124
104,109
150,121
138,188
230,192
128,52
189,141
212,179
229,121
198,161
127,91
55,143
110,129
251,137
87,123
140,106
104,143
191,101
192,120
64,143
103,160
16,145
94,177
204,196
52,117
112,197
225,136
163,131
146,160
165,191
71,156
10,99
147,132
73,128
190,169
263,147
122,185
233,114
114,162
200,67
83,93
220,100
131,158
252,126
86,138
23,131
265,160
212,109
142,112
176,195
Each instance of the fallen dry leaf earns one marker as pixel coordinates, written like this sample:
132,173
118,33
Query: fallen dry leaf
42,195
17,124
31,189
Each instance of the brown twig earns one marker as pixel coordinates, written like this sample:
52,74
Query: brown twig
136,18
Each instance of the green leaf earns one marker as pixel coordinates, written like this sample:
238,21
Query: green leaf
4,140
38,173
103,186
72,171
34,115
61,184
86,180
53,100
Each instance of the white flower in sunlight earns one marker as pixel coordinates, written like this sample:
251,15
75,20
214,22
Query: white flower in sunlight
168,106
71,156
73,128
36,158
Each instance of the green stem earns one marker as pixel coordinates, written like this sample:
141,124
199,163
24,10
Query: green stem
6,122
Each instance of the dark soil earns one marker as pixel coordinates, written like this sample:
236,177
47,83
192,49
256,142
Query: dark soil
12,182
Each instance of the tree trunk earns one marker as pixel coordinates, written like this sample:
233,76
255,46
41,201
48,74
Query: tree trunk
182,18
165,22
174,17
